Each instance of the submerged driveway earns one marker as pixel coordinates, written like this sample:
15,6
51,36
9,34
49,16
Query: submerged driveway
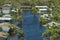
32,30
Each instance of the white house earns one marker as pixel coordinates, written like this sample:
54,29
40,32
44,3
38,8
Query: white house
46,16
43,9
6,8
1,18
5,17
53,24
4,32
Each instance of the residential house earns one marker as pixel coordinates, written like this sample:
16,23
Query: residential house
6,8
4,32
42,9
54,24
5,11
50,24
46,16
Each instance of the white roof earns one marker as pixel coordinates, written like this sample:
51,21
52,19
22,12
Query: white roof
45,9
2,18
14,10
41,6
51,23
5,28
44,15
42,9
51,15
7,5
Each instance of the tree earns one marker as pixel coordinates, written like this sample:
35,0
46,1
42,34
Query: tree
0,28
17,15
53,33
13,30
42,20
34,11
20,33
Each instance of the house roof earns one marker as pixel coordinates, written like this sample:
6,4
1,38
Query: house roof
7,24
2,34
5,28
41,6
44,15
55,23
7,5
14,10
43,9
1,18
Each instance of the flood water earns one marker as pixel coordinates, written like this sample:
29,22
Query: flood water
32,29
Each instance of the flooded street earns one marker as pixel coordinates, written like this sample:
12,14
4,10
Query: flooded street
32,29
